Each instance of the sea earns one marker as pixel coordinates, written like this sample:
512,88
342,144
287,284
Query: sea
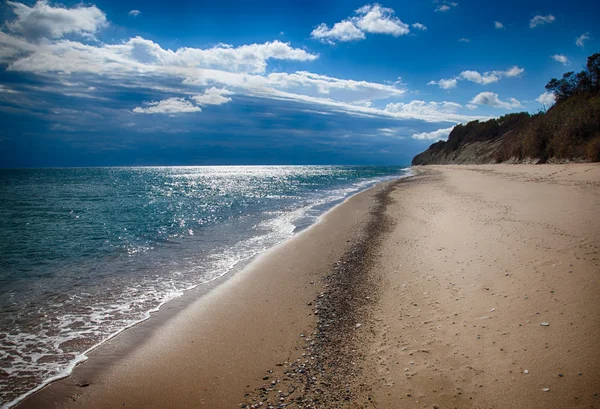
88,252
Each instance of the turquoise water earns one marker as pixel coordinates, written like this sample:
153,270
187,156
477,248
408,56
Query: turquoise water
87,252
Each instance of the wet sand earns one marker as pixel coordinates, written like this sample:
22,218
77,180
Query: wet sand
428,292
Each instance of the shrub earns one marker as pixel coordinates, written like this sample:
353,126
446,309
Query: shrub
593,150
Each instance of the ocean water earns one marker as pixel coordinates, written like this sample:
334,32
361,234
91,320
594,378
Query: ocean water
88,252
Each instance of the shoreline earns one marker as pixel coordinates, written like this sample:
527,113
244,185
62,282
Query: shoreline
126,342
462,286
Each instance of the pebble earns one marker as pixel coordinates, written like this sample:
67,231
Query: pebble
526,371
546,389
544,324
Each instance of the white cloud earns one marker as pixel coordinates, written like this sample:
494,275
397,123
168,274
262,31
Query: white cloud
445,84
419,26
581,39
539,20
371,18
387,131
440,134
561,59
464,40
325,84
427,111
342,31
476,77
498,25
145,56
547,98
445,5
168,106
134,13
143,64
380,20
513,72
43,20
213,96
491,99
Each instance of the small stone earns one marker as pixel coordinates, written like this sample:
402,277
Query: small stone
546,389
358,325
544,324
526,371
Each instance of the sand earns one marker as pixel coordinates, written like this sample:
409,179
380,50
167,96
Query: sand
479,258
423,293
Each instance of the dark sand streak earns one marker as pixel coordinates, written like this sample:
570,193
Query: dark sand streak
330,371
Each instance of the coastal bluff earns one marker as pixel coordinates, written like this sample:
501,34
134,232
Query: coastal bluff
569,131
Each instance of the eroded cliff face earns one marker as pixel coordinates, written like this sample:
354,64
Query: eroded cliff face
567,132
471,153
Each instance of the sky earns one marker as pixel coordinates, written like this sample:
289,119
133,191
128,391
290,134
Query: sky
132,82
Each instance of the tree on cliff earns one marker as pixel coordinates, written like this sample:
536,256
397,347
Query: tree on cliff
586,81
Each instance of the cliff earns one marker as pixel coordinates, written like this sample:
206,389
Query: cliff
568,131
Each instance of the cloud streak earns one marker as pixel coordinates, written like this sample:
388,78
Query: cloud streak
580,42
540,20
478,78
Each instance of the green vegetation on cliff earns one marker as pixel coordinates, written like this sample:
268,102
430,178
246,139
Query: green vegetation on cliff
569,130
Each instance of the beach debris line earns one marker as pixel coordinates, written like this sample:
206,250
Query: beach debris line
329,370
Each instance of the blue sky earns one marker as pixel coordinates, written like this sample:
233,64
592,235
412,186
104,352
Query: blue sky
238,82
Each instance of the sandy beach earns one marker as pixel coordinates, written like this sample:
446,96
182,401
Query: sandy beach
460,287
491,288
